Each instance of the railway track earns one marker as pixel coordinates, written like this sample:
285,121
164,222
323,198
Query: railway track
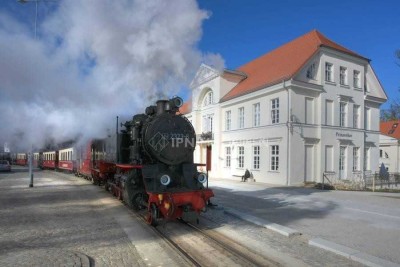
206,247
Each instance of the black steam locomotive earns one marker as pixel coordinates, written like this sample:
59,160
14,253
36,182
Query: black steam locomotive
153,164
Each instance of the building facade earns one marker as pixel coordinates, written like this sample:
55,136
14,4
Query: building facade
308,107
389,145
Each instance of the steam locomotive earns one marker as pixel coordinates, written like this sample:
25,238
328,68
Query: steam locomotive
148,164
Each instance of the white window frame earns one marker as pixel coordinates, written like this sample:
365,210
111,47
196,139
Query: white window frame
342,158
311,71
328,72
343,114
256,115
208,123
208,98
357,79
367,165
256,157
228,120
356,159
228,153
356,116
275,110
343,76
367,118
240,157
274,157
241,117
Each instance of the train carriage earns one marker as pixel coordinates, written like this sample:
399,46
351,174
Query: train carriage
50,160
21,159
84,161
67,159
36,159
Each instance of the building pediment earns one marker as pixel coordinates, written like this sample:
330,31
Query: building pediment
203,75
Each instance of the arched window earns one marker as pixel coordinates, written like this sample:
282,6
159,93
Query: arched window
208,98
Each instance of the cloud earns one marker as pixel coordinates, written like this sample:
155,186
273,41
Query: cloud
94,60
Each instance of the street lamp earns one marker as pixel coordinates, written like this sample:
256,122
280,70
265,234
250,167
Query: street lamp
36,14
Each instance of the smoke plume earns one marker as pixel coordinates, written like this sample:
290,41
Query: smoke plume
91,61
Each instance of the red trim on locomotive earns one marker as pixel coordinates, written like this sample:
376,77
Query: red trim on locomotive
127,167
172,205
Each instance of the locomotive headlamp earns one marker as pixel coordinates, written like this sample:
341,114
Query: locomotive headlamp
176,102
165,179
202,178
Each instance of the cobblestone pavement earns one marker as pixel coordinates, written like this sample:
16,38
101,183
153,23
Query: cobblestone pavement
61,221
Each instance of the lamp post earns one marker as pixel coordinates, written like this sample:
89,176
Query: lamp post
30,158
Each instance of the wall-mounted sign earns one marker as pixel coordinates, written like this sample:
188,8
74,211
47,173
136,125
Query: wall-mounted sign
343,135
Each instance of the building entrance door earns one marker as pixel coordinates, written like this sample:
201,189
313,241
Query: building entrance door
208,160
309,163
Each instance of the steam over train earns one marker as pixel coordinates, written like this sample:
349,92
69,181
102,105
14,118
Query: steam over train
149,164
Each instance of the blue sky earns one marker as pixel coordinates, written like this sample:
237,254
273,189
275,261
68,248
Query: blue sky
243,30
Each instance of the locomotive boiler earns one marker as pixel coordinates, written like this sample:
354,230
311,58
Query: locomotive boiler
156,169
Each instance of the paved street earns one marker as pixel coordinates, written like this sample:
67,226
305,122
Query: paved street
66,221
366,221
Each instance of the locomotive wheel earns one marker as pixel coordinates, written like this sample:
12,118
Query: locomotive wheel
152,215
138,199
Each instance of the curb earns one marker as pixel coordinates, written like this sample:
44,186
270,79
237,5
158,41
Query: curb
283,230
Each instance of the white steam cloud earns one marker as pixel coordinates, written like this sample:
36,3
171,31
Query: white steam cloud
94,60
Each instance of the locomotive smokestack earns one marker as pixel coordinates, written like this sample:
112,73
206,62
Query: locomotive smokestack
162,106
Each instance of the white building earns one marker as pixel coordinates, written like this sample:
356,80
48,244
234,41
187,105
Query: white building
389,145
308,107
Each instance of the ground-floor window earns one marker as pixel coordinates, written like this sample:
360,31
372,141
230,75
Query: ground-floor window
366,159
329,158
240,156
256,157
342,161
356,158
274,156
227,156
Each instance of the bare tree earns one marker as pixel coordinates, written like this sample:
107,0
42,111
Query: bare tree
393,112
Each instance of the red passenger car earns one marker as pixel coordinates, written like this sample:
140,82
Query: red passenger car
67,159
84,161
50,160
22,159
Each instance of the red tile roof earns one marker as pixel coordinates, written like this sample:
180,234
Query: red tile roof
282,63
390,128
186,107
